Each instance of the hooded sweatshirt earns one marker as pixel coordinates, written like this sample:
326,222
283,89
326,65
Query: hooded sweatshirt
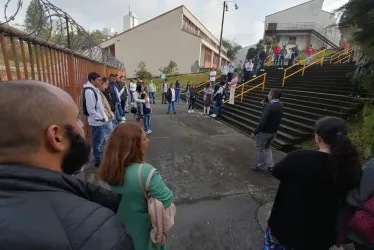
95,107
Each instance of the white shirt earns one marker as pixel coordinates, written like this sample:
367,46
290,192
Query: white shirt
231,67
172,94
132,86
225,70
213,76
165,87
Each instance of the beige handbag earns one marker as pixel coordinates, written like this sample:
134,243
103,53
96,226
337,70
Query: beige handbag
162,219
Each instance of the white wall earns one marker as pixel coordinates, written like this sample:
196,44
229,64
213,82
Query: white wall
156,43
307,12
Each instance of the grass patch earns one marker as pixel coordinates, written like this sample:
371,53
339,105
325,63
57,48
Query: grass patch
356,130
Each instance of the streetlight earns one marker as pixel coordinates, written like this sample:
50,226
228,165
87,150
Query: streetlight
225,8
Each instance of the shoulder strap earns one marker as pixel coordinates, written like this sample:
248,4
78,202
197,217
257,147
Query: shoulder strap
93,90
145,188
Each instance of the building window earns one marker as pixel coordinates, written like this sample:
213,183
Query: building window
272,26
292,40
189,26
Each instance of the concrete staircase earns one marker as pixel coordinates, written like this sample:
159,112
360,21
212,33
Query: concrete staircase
322,91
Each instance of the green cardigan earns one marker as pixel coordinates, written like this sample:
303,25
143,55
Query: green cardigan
133,210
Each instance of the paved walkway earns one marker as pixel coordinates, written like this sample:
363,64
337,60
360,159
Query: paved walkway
221,204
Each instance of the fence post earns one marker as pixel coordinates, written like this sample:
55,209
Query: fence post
71,77
5,56
241,97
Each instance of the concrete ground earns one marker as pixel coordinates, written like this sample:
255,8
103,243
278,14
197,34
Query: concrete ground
221,204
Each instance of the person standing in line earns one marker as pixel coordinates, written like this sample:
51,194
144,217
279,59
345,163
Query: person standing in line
249,69
266,131
188,87
132,90
94,109
212,75
246,72
233,85
239,69
116,99
107,126
208,98
147,111
138,101
312,186
297,52
122,170
177,92
42,205
164,90
152,92
218,99
308,53
292,57
255,66
283,54
171,97
276,53
123,93
262,57
225,71
192,99
231,69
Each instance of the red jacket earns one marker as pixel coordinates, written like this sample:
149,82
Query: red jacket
309,51
277,50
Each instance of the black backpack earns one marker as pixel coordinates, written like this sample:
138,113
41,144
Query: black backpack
85,112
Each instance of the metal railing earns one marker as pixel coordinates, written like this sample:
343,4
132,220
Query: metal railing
305,65
250,89
201,84
343,56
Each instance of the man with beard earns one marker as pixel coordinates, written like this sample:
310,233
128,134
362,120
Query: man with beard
42,206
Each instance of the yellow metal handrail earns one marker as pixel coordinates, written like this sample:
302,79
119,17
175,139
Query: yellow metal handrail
199,85
346,53
303,62
242,86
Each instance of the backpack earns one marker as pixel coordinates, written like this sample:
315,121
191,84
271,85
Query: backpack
85,112
362,221
162,219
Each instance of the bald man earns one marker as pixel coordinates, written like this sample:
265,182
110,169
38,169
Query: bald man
42,206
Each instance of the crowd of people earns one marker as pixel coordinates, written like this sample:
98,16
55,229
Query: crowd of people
324,197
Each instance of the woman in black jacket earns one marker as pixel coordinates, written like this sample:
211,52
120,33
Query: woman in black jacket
312,185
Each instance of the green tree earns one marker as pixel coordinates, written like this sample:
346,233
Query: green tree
252,52
142,71
357,21
36,21
97,36
232,48
171,69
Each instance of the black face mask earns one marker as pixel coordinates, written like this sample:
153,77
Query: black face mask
78,153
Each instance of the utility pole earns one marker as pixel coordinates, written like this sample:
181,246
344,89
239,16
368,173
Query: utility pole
220,39
67,31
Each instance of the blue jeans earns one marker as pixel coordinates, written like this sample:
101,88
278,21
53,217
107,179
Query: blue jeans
107,129
97,143
308,59
255,69
218,108
177,96
118,113
147,122
171,105
276,60
264,154
152,97
262,64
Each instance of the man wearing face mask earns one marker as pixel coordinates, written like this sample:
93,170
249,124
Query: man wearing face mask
42,206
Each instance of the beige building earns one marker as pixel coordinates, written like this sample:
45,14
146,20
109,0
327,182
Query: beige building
175,35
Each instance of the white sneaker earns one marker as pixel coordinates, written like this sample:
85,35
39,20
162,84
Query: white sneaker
214,116
123,119
254,76
189,111
192,111
149,131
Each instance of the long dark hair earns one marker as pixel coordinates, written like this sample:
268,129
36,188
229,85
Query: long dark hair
344,157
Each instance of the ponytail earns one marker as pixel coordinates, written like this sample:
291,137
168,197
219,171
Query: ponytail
345,161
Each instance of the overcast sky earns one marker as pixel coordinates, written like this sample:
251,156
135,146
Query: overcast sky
244,25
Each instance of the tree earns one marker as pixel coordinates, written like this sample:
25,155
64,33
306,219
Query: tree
252,52
171,69
142,71
97,36
232,48
36,20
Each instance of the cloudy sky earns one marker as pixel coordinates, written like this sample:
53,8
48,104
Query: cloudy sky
244,25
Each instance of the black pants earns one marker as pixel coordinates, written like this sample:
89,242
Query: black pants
229,77
163,98
361,247
290,62
192,103
123,106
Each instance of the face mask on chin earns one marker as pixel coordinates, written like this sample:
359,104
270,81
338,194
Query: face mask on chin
78,153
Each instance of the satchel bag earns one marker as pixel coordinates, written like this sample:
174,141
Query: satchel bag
162,219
